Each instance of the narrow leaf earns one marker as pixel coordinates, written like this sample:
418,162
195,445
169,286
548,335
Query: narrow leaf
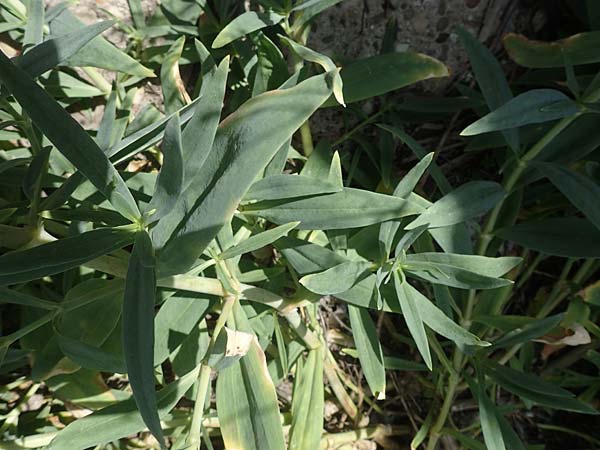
535,106
68,137
470,200
369,350
259,240
337,279
243,24
138,331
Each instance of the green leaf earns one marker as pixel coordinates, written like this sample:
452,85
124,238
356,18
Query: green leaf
89,356
18,298
527,332
244,24
61,255
349,208
582,191
244,387
386,73
412,316
439,322
535,389
68,137
580,49
324,61
570,237
470,200
490,78
175,320
308,403
98,52
173,89
170,178
259,240
490,426
535,106
482,265
245,142
277,187
369,350
118,421
34,29
138,331
337,279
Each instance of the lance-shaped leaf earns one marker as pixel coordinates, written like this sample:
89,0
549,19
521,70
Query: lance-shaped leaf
582,191
118,421
535,106
61,255
245,23
246,399
138,331
55,51
465,202
244,144
439,322
229,347
490,78
18,298
170,178
490,426
529,331
369,349
412,317
580,49
259,240
174,94
307,403
338,279
460,271
98,52
276,187
349,208
535,389
386,73
568,236
68,137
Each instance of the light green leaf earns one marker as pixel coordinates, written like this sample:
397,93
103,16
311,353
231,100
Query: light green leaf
244,24
277,187
98,52
490,78
535,106
492,434
307,403
337,279
170,178
58,256
568,236
89,356
470,200
439,322
118,421
244,387
229,347
369,350
387,73
138,331
483,265
580,49
175,320
68,137
349,208
582,191
259,240
410,307
173,89
34,29
245,142
55,51
324,61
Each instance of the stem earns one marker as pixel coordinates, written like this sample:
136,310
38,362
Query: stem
434,433
307,140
